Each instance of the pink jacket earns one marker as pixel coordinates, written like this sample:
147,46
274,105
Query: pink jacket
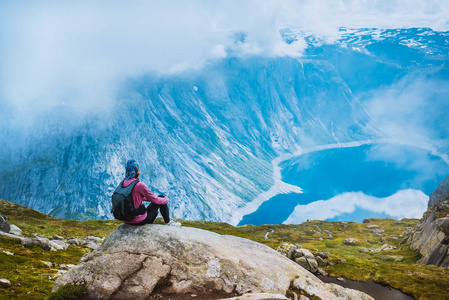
142,193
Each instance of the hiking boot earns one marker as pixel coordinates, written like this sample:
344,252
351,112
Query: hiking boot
173,223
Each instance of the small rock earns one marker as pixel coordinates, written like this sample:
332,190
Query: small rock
322,272
387,247
93,245
303,252
366,221
8,253
372,226
5,283
75,241
407,231
288,250
57,237
47,263
59,245
320,261
45,244
376,250
310,264
342,261
341,279
350,241
4,226
15,230
324,255
378,232
442,222
392,258
92,239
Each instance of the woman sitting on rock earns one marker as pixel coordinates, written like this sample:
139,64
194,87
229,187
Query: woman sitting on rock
142,193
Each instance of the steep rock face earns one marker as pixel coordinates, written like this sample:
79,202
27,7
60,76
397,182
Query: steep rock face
440,194
431,236
135,261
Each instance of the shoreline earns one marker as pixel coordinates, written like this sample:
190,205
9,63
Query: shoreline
280,187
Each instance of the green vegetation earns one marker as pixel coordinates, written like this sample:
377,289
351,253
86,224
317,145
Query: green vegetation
32,279
69,292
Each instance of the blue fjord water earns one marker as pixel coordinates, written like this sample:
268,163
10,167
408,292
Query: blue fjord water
378,170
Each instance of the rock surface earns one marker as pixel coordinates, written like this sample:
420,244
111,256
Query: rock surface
431,236
377,250
15,230
259,296
4,226
350,241
5,283
134,261
440,194
304,257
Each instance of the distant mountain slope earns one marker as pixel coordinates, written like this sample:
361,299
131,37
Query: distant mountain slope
207,137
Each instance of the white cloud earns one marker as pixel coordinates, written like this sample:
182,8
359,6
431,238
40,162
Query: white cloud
78,52
408,203
412,109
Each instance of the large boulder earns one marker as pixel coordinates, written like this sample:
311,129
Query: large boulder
135,262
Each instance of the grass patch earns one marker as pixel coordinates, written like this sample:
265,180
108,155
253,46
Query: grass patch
29,277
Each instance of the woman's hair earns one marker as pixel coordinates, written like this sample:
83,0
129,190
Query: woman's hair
132,167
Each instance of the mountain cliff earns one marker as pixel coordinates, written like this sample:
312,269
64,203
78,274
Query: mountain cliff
430,237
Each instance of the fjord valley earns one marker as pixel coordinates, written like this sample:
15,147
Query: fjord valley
212,139
32,271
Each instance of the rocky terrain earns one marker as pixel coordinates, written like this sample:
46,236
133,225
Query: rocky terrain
430,237
347,252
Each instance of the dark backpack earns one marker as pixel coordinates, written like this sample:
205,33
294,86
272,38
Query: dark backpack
123,205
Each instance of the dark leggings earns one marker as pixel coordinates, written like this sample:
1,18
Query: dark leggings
152,211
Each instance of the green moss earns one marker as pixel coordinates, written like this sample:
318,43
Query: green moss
29,277
69,292
32,221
